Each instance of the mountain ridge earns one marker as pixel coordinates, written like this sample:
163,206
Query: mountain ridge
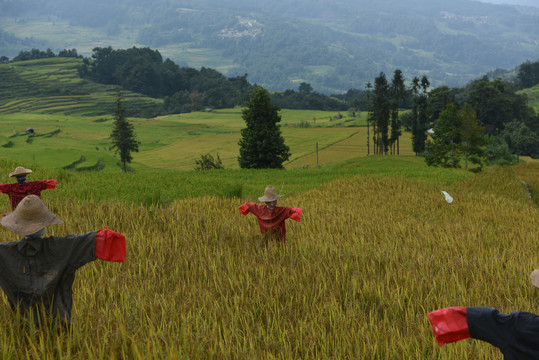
334,47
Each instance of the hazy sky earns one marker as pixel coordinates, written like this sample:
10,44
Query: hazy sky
515,2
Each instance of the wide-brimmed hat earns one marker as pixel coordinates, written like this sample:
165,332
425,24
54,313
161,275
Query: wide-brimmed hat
535,278
30,216
270,194
19,171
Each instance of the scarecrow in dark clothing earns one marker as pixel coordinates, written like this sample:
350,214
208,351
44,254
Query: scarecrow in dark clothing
17,191
271,217
37,272
515,334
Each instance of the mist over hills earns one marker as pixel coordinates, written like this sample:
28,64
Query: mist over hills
334,46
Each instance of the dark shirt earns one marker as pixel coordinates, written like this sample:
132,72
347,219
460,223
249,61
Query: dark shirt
515,334
41,271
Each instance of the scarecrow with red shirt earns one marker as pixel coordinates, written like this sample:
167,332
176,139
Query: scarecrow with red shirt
17,191
37,272
271,217
515,334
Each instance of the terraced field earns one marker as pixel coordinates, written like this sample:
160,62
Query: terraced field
53,86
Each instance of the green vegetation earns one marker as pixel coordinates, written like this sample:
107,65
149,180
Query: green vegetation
176,141
262,145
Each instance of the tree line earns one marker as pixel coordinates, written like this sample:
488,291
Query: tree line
485,121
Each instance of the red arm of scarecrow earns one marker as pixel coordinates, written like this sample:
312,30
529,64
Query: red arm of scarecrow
295,213
110,245
245,208
449,324
51,184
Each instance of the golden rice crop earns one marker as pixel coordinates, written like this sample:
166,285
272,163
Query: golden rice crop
356,278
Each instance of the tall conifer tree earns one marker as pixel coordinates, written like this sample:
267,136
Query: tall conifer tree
381,109
398,94
262,145
123,134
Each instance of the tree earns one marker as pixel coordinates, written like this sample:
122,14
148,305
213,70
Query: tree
398,94
521,139
262,145
369,115
380,113
456,132
528,74
305,88
472,138
441,150
438,100
123,134
419,111
497,103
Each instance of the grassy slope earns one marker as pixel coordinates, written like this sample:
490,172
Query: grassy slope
173,142
72,118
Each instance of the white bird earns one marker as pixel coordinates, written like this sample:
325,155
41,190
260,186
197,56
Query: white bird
448,197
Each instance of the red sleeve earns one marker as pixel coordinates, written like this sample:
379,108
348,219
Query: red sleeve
295,213
1,187
51,184
449,324
245,208
110,245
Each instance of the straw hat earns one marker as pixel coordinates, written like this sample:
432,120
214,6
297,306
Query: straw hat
270,194
535,278
19,171
30,216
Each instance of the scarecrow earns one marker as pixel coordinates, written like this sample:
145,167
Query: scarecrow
515,334
18,191
271,217
37,272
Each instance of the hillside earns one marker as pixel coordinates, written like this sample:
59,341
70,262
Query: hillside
333,46
53,86
72,119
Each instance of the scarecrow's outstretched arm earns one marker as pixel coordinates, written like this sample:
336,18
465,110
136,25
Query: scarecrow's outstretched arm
245,208
51,184
110,245
295,213
514,333
449,324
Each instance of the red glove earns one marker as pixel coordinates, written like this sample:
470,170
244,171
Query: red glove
110,245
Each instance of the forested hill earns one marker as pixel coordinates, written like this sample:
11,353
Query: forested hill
334,46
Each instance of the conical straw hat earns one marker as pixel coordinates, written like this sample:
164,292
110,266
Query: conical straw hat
270,194
19,170
30,216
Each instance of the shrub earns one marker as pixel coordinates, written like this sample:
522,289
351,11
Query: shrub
207,162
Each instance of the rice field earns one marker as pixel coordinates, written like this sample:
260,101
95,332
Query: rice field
377,248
